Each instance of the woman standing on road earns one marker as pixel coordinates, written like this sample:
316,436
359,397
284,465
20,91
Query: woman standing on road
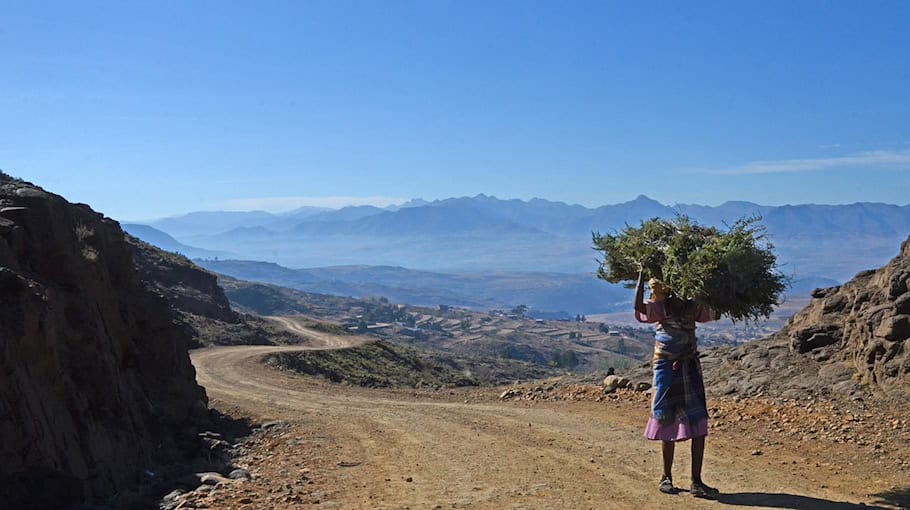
678,407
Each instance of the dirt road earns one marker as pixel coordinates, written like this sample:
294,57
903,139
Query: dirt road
359,448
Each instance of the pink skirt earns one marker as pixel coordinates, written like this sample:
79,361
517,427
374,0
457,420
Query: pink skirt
676,431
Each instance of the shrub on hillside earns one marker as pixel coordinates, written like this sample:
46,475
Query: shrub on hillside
733,271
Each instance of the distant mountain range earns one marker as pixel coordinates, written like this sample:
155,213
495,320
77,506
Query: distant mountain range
484,233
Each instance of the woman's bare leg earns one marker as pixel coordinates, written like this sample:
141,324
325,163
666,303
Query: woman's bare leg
698,456
667,448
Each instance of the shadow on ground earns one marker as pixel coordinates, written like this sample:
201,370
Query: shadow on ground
774,500
205,446
896,497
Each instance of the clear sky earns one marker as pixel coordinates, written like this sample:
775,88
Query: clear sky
147,109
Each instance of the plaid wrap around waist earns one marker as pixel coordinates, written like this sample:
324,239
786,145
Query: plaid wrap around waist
675,349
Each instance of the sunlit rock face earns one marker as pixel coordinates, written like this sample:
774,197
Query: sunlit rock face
869,319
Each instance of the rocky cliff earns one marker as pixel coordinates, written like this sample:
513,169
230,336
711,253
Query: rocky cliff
850,340
94,372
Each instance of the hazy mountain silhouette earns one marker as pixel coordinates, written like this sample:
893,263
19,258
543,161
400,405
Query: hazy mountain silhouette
166,242
487,233
214,222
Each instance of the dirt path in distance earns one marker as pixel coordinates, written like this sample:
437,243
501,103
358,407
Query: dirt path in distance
347,447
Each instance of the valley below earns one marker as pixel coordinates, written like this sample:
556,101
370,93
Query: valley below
549,444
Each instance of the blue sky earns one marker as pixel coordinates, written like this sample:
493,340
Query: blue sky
147,109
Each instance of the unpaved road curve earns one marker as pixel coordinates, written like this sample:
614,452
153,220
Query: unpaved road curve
396,450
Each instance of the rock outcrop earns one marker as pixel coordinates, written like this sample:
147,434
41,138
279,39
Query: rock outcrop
851,340
94,371
868,318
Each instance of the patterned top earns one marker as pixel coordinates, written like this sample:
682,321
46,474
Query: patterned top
675,333
681,326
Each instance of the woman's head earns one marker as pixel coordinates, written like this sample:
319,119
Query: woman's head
659,290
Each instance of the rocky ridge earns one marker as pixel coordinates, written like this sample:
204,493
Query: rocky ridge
200,305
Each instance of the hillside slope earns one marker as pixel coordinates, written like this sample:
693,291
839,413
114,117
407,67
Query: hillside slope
199,304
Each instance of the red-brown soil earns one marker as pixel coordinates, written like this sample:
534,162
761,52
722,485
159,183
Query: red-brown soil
553,445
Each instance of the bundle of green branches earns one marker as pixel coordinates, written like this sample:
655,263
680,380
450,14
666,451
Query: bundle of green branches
733,271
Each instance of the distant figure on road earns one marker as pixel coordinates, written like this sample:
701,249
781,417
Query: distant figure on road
678,407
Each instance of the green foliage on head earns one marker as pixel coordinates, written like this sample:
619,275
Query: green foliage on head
733,271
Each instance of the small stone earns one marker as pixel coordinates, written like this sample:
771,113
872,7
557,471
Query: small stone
409,479
239,474
171,496
756,452
212,478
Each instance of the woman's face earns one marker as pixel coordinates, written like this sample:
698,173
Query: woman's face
659,291
658,295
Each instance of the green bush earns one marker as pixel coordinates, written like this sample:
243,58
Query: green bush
733,271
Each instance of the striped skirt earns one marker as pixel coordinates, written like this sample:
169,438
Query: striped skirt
678,408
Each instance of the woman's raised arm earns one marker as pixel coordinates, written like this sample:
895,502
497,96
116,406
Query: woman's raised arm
639,304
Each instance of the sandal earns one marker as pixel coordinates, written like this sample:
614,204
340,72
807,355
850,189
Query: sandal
666,485
700,490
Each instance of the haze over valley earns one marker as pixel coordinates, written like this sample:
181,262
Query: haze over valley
483,252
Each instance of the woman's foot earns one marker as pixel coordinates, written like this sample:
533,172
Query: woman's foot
700,490
666,485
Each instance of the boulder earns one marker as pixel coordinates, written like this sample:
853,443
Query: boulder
615,381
